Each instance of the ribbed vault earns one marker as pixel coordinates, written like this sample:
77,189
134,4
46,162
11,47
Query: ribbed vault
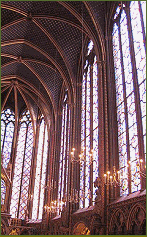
41,45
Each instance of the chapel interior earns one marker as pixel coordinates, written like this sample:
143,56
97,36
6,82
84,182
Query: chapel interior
73,118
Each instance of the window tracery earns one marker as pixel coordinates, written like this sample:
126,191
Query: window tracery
22,167
22,164
129,56
89,130
40,177
7,131
64,153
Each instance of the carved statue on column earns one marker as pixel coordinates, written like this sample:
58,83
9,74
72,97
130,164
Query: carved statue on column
65,216
97,184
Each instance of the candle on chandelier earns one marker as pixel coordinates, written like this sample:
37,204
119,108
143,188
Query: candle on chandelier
105,178
111,180
108,172
118,172
141,161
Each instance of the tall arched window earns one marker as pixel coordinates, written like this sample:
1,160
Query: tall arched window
64,152
23,163
7,131
22,167
129,53
89,130
40,177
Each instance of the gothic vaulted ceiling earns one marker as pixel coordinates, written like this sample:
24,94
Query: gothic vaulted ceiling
41,44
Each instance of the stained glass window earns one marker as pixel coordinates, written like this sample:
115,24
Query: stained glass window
7,130
40,177
95,124
140,56
3,191
127,85
23,162
64,154
89,130
22,167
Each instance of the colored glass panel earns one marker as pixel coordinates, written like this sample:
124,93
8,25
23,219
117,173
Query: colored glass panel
8,143
83,108
39,187
140,54
61,154
90,47
87,167
117,67
95,124
117,12
3,192
22,163
126,53
89,90
17,173
83,140
26,171
7,131
43,178
64,156
2,132
67,165
120,110
129,95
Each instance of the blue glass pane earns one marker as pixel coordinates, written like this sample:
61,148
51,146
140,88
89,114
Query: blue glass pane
88,103
126,53
90,47
22,167
7,131
17,173
117,12
3,191
117,65
120,107
130,98
140,54
95,124
86,133
43,177
40,177
2,133
64,158
26,172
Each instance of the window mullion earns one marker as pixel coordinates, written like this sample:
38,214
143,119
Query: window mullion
125,107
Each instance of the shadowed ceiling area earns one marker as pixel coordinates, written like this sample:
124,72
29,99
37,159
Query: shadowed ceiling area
41,46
